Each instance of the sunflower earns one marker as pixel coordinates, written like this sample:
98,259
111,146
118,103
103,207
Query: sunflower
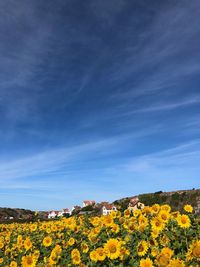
100,254
127,213
155,208
93,255
84,247
168,252
157,224
115,228
142,223
19,240
76,257
93,238
143,220
1,244
54,228
53,258
57,250
188,208
137,213
146,262
176,263
13,264
28,261
108,220
146,210
164,215
165,207
55,255
27,243
124,252
47,241
154,252
164,240
112,248
164,257
33,227
175,214
142,248
194,250
71,241
95,221
131,227
183,221
162,260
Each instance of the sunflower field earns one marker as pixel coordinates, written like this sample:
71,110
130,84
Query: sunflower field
154,236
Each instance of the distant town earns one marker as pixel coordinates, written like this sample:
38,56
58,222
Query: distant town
90,206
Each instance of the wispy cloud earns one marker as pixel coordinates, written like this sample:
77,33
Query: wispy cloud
60,160
162,52
180,163
170,106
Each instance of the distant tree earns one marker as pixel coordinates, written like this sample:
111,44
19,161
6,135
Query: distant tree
76,210
87,208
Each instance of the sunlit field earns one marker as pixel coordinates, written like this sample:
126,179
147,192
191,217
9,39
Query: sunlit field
154,236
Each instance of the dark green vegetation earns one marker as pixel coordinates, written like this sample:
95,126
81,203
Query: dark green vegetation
176,199
17,214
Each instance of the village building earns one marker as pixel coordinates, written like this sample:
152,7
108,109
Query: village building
88,203
107,209
58,213
135,204
66,211
52,214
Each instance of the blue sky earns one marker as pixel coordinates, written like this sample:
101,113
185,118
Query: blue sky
98,100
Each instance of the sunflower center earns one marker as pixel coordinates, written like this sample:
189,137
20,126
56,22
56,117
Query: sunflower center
141,248
113,249
183,220
29,260
196,252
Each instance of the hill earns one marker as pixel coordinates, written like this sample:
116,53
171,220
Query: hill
15,214
176,199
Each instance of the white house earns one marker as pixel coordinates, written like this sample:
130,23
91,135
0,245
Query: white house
52,214
107,209
88,203
66,211
135,204
59,213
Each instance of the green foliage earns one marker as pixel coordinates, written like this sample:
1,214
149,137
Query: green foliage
88,208
176,200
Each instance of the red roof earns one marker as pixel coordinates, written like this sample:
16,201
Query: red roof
89,202
109,206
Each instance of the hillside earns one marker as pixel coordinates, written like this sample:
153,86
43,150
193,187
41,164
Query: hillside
176,199
16,214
